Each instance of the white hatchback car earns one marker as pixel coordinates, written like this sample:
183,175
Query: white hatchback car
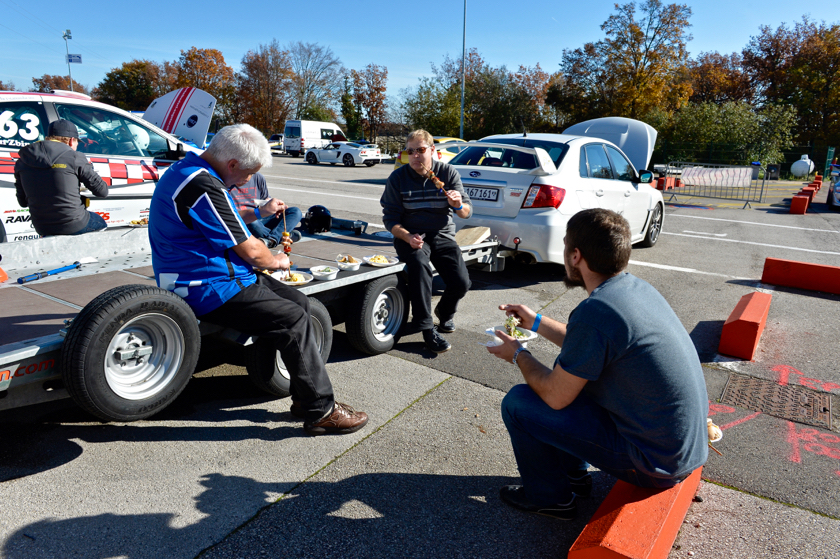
348,153
525,189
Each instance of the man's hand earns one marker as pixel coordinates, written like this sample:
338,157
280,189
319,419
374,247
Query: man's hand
416,241
281,261
455,199
507,349
274,206
525,315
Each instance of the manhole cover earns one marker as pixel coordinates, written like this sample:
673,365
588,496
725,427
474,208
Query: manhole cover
788,402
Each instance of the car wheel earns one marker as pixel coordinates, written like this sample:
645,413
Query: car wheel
311,159
376,314
654,228
130,352
265,365
370,163
294,153
348,160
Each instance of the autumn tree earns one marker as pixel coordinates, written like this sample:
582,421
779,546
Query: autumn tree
164,77
7,86
47,83
718,78
264,87
206,69
587,90
369,87
317,80
129,87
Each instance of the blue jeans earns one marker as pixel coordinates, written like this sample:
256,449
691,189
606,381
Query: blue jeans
551,445
272,227
95,223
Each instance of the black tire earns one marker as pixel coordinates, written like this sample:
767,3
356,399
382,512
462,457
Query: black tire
265,365
116,387
370,163
311,159
376,313
654,228
348,160
294,153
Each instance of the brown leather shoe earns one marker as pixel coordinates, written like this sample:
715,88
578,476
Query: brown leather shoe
341,421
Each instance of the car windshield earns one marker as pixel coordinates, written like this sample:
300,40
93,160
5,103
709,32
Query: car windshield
556,150
495,157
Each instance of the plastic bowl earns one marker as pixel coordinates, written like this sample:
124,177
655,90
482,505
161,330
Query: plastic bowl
347,265
321,273
527,335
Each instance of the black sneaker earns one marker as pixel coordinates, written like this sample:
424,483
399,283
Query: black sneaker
582,486
514,496
445,326
435,342
269,242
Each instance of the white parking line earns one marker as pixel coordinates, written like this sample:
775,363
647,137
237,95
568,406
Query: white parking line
327,182
687,270
752,223
322,193
704,233
751,243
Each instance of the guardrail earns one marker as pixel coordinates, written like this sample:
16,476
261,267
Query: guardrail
707,180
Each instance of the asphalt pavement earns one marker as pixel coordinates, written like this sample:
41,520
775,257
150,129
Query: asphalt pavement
227,472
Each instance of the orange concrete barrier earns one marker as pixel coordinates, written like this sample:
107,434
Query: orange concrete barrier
799,204
743,328
665,183
803,275
636,523
809,191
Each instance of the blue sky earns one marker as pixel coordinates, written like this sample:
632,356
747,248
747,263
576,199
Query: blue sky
406,37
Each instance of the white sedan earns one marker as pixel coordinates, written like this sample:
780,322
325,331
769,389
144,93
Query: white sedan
347,153
526,188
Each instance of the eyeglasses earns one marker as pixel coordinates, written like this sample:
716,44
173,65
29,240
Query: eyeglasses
410,151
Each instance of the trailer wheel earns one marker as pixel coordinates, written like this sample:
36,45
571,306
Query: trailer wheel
265,365
376,315
130,352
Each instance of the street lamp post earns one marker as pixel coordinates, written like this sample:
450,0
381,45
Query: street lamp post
66,36
463,68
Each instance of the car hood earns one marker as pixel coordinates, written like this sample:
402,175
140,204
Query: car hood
634,137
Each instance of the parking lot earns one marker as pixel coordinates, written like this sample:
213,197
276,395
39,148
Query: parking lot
422,478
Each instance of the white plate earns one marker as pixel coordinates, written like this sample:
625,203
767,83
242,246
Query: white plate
391,261
528,336
320,273
306,279
347,265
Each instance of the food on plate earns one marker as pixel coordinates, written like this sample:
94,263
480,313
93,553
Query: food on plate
295,278
348,260
144,221
511,324
379,259
326,270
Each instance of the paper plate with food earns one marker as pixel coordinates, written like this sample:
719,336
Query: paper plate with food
511,327
296,278
380,260
324,272
347,262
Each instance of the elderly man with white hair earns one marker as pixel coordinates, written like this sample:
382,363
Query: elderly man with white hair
202,250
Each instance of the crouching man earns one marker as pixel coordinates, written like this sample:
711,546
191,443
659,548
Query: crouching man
626,394
202,250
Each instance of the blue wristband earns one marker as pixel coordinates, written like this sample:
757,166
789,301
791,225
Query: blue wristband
459,207
536,325
257,213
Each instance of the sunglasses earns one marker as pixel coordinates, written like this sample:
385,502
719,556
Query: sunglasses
411,151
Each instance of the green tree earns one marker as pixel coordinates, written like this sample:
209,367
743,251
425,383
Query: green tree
349,111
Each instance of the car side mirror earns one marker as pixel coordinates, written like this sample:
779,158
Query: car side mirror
645,176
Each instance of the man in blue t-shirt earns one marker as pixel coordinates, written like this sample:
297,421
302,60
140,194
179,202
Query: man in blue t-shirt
626,394
202,250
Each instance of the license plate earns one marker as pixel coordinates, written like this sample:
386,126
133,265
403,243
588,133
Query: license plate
488,194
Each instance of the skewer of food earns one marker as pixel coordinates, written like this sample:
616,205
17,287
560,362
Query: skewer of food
437,182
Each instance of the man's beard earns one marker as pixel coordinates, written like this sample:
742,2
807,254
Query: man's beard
573,277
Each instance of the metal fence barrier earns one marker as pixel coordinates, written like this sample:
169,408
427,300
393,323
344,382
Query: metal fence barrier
707,180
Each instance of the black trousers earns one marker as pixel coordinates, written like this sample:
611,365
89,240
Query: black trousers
442,251
269,309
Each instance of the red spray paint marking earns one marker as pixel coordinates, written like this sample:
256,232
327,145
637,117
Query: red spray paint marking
739,421
812,441
812,383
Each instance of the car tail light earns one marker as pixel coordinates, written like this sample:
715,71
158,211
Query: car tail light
544,196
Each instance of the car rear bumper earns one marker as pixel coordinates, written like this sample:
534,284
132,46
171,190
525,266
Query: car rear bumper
540,231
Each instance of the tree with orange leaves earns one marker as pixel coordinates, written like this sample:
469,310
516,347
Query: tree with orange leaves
206,69
369,87
47,83
264,87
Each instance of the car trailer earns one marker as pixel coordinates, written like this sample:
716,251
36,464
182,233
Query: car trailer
123,349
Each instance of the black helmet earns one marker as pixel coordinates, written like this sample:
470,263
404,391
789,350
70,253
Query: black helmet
318,219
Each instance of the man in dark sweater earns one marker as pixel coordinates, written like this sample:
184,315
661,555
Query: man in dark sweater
418,203
47,178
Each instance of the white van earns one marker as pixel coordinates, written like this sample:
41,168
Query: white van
301,135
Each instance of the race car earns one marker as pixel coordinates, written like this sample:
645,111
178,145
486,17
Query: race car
349,153
128,152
